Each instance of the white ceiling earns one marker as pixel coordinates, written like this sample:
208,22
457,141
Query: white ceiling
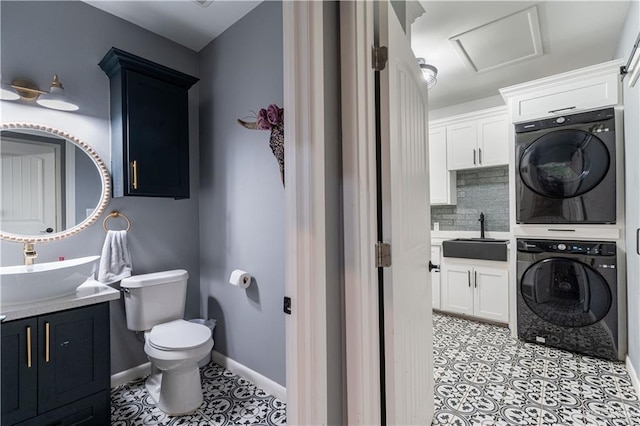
184,21
573,34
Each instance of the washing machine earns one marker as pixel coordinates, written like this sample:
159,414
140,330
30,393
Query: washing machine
568,296
566,169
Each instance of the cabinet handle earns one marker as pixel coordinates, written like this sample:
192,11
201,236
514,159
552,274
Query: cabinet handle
638,241
28,347
469,278
475,279
134,167
46,342
474,156
480,155
561,109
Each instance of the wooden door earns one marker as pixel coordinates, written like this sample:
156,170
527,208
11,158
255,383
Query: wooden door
30,184
435,276
404,168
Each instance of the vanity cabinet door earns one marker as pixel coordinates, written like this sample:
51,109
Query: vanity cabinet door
491,298
19,370
73,358
455,289
442,182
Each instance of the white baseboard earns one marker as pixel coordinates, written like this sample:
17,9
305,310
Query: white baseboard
256,378
131,374
633,375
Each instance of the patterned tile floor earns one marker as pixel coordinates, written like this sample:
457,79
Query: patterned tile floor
228,400
484,377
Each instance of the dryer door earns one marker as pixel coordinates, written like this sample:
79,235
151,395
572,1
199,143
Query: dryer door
566,292
564,163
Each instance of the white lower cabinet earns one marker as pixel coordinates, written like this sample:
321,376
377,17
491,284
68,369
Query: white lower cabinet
435,277
475,288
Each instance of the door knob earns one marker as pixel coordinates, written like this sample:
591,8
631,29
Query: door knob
432,267
48,231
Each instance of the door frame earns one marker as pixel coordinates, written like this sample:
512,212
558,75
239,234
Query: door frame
364,391
306,237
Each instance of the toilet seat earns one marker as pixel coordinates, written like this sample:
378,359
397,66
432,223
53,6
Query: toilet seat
178,335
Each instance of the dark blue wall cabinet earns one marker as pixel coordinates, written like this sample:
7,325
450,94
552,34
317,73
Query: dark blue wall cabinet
149,126
56,368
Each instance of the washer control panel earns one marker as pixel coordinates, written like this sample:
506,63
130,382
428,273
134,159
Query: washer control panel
592,248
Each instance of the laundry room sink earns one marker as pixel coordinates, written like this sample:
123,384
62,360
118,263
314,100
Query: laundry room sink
476,248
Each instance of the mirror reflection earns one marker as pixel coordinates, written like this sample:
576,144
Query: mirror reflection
48,184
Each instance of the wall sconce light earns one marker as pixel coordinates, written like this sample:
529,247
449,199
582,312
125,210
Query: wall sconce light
429,72
29,91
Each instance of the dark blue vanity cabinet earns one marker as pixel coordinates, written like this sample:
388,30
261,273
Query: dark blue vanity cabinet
149,126
56,368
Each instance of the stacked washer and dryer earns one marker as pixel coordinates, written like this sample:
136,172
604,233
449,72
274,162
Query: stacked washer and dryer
567,289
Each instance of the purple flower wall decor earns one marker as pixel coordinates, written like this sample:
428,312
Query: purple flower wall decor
271,118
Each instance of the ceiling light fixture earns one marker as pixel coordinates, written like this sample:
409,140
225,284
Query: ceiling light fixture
429,72
29,91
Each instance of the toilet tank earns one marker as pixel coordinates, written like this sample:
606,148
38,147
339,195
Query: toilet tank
152,299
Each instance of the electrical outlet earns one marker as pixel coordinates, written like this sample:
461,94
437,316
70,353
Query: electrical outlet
436,226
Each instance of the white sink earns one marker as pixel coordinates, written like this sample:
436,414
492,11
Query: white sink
43,281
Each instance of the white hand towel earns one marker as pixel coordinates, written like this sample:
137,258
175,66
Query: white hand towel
115,263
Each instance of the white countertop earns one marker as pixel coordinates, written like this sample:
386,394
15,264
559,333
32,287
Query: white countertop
89,293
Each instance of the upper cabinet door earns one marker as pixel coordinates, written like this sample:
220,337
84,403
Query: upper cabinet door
442,182
149,127
493,141
462,140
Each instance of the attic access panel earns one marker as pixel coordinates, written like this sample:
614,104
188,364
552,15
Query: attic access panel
505,41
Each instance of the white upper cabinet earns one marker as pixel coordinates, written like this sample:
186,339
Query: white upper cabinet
442,182
593,87
478,139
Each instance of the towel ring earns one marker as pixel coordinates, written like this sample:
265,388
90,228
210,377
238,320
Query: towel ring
112,215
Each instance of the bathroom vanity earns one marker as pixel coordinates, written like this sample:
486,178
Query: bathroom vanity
56,359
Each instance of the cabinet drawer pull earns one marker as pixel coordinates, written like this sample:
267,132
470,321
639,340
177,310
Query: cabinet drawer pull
28,347
474,156
480,155
46,342
134,167
469,278
561,109
475,279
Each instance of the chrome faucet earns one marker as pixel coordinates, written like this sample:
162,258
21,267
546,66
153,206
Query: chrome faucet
481,220
29,254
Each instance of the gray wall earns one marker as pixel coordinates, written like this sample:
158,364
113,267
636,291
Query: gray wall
242,197
69,38
632,159
485,190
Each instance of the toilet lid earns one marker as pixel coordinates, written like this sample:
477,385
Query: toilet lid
178,334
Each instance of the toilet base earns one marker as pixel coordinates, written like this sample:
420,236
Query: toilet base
176,392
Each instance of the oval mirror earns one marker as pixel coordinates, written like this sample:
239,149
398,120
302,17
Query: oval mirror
52,184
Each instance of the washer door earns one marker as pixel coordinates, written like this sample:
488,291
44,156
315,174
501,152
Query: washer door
564,163
565,292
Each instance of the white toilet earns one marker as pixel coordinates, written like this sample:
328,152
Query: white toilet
154,303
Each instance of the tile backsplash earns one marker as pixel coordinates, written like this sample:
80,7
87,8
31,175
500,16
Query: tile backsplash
483,190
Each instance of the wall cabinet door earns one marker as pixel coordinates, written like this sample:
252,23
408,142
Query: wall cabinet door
491,294
149,126
493,141
455,289
19,370
435,277
462,142
442,182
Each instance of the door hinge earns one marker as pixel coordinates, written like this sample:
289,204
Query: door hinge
383,255
287,306
379,57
